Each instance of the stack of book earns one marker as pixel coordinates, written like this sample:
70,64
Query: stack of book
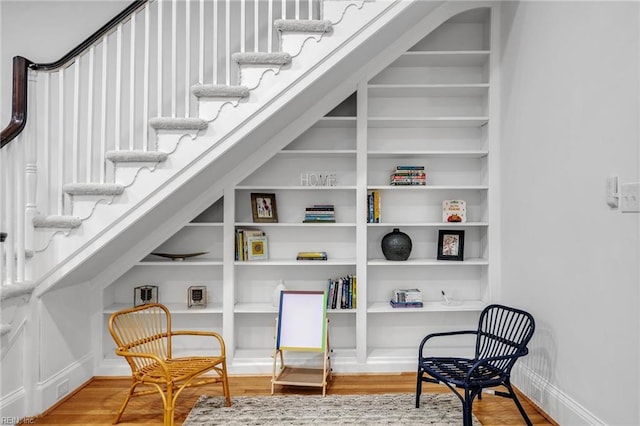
407,298
312,255
373,207
251,244
341,293
320,213
409,175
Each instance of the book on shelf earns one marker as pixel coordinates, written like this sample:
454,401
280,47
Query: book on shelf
342,292
408,175
251,244
320,213
312,255
454,211
411,295
373,207
395,304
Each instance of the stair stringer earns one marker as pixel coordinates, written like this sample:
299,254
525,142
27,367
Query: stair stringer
57,266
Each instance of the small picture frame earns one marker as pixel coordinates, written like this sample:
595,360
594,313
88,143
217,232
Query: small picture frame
197,296
145,294
450,245
263,207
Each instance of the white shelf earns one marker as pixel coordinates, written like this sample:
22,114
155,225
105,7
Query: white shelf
428,262
180,263
402,122
462,58
421,90
204,225
336,122
255,308
296,188
434,154
429,224
317,153
174,308
286,262
430,306
426,187
294,224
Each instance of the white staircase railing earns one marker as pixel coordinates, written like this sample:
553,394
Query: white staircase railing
82,114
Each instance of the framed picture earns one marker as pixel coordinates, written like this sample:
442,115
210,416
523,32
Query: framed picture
264,207
450,245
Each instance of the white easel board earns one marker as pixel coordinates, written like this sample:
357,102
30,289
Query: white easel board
302,321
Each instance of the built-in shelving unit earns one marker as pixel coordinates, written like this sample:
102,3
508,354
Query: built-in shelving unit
429,107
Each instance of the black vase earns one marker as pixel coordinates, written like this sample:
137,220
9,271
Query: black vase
396,245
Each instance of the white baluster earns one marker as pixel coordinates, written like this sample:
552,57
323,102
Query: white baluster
201,44
132,80
145,100
31,167
60,141
215,42
89,142
174,54
159,63
117,103
227,32
256,26
243,24
187,60
75,162
270,27
103,109
46,202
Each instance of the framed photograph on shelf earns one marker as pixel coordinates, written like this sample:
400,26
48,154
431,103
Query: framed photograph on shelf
263,207
450,245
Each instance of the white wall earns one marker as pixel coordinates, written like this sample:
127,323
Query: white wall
570,110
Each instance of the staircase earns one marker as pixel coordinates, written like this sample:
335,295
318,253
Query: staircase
133,160
105,141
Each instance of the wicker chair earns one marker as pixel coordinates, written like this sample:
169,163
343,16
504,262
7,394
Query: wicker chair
501,338
143,336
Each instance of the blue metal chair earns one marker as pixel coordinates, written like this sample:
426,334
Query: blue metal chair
501,338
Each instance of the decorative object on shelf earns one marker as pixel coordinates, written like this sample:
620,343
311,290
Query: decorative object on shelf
197,296
263,207
312,255
448,299
318,179
396,245
275,296
408,175
145,294
179,256
373,207
342,293
320,213
454,211
450,245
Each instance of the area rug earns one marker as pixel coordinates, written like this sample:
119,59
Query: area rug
385,409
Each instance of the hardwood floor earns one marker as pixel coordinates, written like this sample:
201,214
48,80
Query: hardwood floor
97,402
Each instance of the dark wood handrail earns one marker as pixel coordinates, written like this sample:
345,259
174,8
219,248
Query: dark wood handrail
22,65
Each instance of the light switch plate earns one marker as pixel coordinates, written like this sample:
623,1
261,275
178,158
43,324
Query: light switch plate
630,197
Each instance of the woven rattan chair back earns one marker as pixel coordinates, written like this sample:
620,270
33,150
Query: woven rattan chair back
503,331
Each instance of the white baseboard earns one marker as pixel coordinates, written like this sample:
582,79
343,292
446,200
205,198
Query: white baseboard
75,375
12,405
552,400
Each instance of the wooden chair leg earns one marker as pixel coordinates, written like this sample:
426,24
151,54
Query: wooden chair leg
124,404
168,406
225,384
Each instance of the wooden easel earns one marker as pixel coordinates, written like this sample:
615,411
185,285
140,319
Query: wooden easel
301,325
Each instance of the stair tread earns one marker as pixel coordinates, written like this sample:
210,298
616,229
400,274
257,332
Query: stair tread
93,188
136,156
219,91
4,329
182,123
15,290
303,25
261,58
55,221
